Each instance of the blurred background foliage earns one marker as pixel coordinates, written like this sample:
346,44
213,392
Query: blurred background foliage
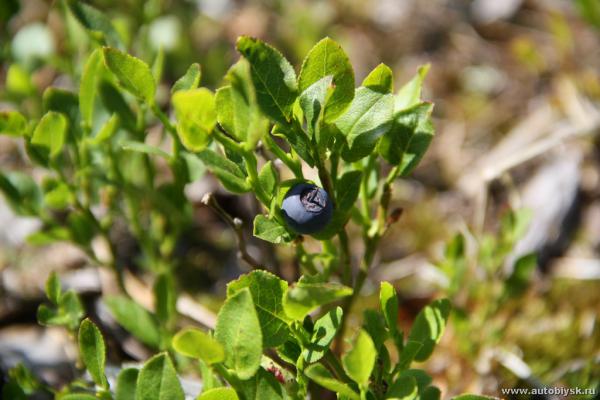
516,87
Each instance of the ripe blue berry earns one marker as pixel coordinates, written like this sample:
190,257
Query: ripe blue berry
307,208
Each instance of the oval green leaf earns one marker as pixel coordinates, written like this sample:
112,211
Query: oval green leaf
195,343
272,75
135,319
50,134
221,393
429,327
133,74
87,87
12,123
322,376
92,351
238,330
267,292
126,384
360,360
158,380
328,58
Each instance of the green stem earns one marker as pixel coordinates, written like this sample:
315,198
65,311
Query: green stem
336,367
334,161
233,380
164,119
365,265
227,141
305,262
346,257
251,167
364,189
292,164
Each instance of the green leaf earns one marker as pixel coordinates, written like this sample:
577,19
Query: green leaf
96,23
233,118
139,147
64,102
70,306
88,87
158,380
190,80
68,313
115,104
53,288
48,236
18,81
263,386
195,343
82,228
237,107
126,384
327,58
323,334
431,393
92,351
374,324
133,74
267,292
196,117
313,102
419,143
389,305
421,377
135,319
238,330
368,118
78,396
514,224
267,179
468,396
21,192
107,131
404,388
590,11
273,77
346,190
8,9
222,393
305,296
12,123
50,317
228,172
165,298
297,139
521,275
381,79
360,360
408,354
395,142
50,133
58,196
410,94
12,390
429,327
322,376
271,230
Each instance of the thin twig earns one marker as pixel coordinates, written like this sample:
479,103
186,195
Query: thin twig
237,226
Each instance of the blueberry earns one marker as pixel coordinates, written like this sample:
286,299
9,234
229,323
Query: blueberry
307,208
